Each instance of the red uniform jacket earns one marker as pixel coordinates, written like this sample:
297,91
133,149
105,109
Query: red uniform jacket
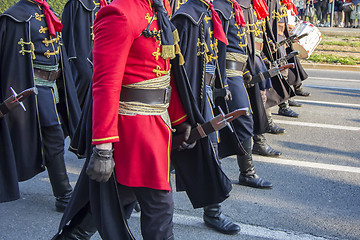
123,56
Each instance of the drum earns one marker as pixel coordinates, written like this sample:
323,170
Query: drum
306,45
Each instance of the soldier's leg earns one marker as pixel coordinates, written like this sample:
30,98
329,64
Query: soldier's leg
285,110
81,227
299,91
247,176
157,208
213,216
274,128
261,147
53,139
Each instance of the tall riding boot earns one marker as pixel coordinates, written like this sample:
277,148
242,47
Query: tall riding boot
286,111
261,147
59,181
274,128
214,218
82,227
247,175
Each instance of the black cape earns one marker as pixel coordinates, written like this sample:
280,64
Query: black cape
21,150
281,89
198,170
77,19
243,125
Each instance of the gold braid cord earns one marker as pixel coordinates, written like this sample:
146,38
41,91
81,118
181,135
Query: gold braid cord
237,57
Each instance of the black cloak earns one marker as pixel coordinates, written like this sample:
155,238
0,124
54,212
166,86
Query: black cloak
198,170
77,19
21,149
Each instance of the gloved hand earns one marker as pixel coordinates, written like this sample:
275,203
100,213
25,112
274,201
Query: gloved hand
247,78
272,47
228,96
101,165
184,128
267,63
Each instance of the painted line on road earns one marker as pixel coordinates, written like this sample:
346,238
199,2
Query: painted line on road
335,79
246,229
318,125
330,103
331,87
323,166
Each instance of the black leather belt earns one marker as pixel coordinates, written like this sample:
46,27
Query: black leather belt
210,79
234,65
47,75
148,96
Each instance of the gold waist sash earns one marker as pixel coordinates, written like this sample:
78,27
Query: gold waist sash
138,108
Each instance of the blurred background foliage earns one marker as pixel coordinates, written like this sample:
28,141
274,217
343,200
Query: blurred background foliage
57,5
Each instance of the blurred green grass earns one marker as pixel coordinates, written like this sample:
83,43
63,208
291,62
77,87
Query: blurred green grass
324,58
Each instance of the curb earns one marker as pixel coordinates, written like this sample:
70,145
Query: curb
337,67
339,32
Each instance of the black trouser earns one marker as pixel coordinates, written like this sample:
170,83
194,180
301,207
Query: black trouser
53,140
157,208
53,143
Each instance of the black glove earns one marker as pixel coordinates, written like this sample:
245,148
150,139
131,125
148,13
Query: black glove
101,165
228,96
247,78
273,47
267,63
184,128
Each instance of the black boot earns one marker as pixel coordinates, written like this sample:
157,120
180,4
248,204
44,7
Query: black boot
59,181
274,128
247,175
82,227
294,103
260,147
214,218
299,91
286,111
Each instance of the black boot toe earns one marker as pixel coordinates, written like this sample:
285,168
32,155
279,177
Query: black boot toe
221,224
287,112
275,129
265,150
254,181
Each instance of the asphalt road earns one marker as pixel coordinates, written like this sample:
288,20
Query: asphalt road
316,192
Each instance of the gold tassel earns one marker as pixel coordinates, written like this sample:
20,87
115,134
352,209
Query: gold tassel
181,59
167,51
178,51
176,37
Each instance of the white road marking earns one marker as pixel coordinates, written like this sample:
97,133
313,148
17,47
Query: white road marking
329,103
318,125
246,229
331,87
335,79
323,166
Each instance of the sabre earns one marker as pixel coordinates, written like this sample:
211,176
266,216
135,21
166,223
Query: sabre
15,100
202,130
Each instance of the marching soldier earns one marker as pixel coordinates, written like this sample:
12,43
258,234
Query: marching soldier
255,12
32,56
199,79
131,137
236,64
